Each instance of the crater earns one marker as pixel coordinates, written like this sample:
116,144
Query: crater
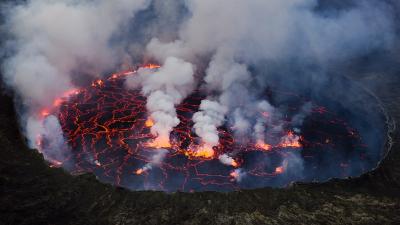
319,135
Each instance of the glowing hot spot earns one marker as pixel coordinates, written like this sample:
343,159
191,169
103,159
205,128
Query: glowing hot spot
265,114
151,66
55,163
279,170
149,122
44,113
159,142
139,171
57,102
234,163
97,83
202,151
234,175
262,145
290,141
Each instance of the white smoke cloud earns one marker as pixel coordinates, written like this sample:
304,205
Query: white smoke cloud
155,160
222,73
161,51
293,165
164,89
162,111
227,160
51,40
55,38
275,29
238,174
50,135
244,32
241,124
210,116
268,114
298,119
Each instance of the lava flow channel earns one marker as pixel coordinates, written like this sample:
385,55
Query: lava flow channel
107,132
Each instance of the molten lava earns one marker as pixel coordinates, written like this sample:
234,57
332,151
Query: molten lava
158,142
139,171
149,122
262,145
202,151
108,132
279,170
290,140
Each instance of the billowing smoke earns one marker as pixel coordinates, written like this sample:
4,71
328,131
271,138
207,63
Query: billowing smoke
238,175
249,33
223,75
268,114
227,160
207,120
164,89
53,40
155,160
52,44
298,119
54,148
231,50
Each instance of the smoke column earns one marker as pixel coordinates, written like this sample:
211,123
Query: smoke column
164,89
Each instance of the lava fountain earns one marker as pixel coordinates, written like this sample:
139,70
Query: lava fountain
106,131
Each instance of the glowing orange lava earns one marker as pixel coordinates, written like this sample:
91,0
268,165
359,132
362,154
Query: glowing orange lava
139,171
149,122
234,174
234,163
290,141
159,142
109,130
265,114
55,163
262,145
44,113
151,66
279,170
203,151
98,82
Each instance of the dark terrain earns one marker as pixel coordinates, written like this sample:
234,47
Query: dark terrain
33,193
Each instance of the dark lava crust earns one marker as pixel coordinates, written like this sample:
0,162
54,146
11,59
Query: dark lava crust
33,193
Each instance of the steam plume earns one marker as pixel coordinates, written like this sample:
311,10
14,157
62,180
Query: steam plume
155,160
164,89
53,44
245,34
